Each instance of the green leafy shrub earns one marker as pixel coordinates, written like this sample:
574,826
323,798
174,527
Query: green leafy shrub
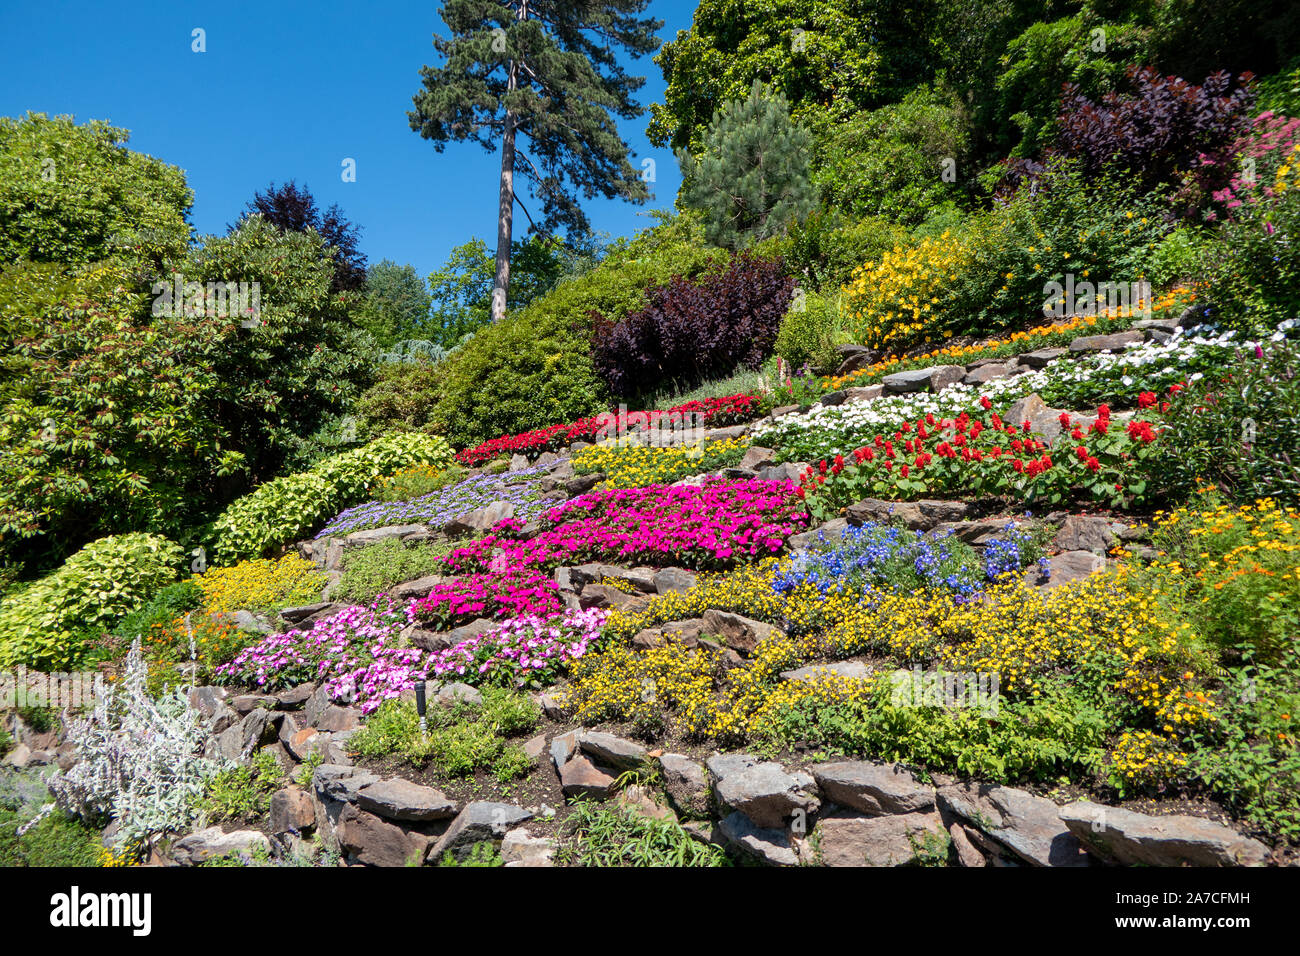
164,607
403,399
534,367
1250,757
243,792
103,428
74,194
1180,258
286,508
823,250
889,162
418,481
1255,283
1239,430
808,332
376,568
95,588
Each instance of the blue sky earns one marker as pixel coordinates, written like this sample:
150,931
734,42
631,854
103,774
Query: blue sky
288,90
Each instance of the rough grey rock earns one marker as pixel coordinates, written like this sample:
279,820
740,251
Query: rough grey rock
607,596
863,393
246,703
374,841
1116,341
521,848
1029,826
757,457
849,840
582,484
673,579
1040,358
205,699
850,670
580,777
1136,839
295,697
770,846
1066,566
211,843
873,788
740,633
1085,533
480,822
766,794
480,519
399,799
374,535
920,515
292,811
989,373
420,587
308,614
335,782
611,751
913,380
686,783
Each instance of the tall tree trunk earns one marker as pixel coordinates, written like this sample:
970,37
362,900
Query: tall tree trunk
506,201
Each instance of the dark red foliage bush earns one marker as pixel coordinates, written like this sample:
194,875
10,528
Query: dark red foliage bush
689,332
1159,131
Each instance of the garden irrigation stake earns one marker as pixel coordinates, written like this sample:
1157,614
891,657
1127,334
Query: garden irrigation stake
419,707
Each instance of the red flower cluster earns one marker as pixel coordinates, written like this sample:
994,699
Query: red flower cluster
719,412
979,457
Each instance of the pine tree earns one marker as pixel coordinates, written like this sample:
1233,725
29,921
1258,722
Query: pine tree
751,179
544,70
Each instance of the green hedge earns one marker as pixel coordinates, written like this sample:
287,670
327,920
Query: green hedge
287,508
42,625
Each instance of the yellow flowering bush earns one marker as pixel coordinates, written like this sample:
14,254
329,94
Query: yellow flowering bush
261,584
633,465
904,298
1142,759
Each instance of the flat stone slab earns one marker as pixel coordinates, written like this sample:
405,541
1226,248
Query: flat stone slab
850,670
1137,839
873,788
399,799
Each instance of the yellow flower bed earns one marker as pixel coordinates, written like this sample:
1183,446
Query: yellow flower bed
902,298
261,584
1019,633
635,465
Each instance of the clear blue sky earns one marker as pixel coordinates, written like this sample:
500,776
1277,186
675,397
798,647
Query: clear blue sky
287,90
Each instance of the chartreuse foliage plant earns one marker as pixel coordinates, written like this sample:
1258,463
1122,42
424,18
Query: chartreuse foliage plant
289,507
44,625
